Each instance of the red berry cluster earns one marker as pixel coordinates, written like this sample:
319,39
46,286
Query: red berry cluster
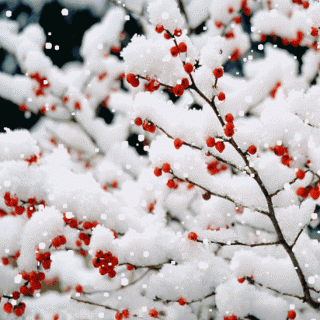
181,48
122,315
305,4
215,167
171,184
20,209
6,261
59,241
18,309
34,280
305,192
83,237
44,259
42,82
148,126
275,89
229,35
244,7
106,262
283,152
133,80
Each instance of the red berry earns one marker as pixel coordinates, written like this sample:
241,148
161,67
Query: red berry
118,316
300,174
314,33
192,236
171,184
79,288
252,149
220,146
305,4
177,32
15,295
188,68
291,314
157,172
302,192
35,285
182,47
73,223
182,301
7,307
152,128
237,20
178,90
5,261
206,196
24,290
41,276
279,150
87,225
221,96
230,10
135,83
159,28
125,314
314,194
166,167
112,274
130,77
153,313
174,51
185,83
130,267
178,143
23,107
138,121
19,210
218,24
233,317
65,99
56,242
218,72
77,105
19,311
46,264
167,35
210,142
241,280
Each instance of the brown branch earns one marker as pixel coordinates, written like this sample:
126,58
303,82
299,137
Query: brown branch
95,304
162,84
236,243
279,190
251,281
187,302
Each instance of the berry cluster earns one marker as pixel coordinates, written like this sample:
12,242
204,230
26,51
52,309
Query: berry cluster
159,29
244,7
305,192
122,315
215,167
114,184
305,4
18,309
20,209
314,32
146,125
44,259
83,237
152,85
217,229
171,184
6,261
42,82
165,168
34,280
106,262
283,152
59,241
181,48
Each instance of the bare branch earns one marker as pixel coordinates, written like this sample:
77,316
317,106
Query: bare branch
237,243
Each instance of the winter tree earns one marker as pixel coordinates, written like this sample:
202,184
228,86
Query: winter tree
212,222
